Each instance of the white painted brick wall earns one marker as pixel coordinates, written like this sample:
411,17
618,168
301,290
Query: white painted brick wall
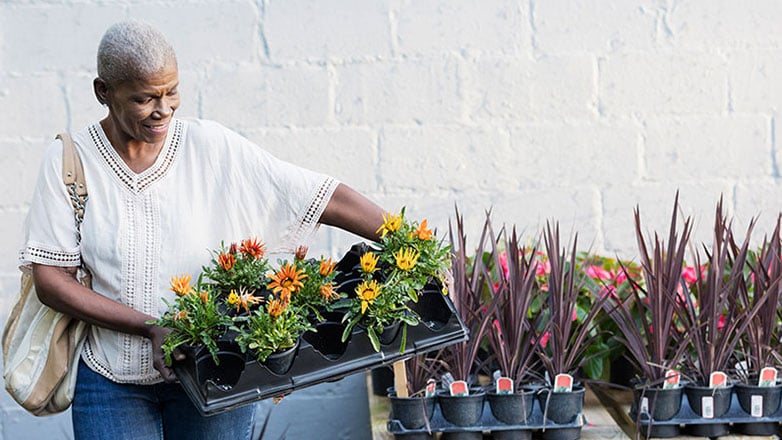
536,109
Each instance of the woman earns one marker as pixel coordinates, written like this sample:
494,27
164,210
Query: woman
162,191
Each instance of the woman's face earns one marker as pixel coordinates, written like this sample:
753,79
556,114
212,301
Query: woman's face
141,110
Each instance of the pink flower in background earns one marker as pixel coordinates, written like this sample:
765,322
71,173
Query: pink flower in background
597,272
544,339
608,291
574,315
542,267
690,276
504,264
620,277
721,322
496,325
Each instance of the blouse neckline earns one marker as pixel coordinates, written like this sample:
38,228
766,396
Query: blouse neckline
138,182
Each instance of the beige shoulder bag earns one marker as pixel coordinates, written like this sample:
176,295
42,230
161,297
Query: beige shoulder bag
41,347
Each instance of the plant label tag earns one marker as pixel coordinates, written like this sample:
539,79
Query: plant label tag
768,377
707,407
431,388
718,379
496,375
563,383
504,385
671,380
756,406
447,380
459,388
644,406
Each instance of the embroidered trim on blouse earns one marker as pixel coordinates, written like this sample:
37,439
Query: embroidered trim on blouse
308,221
138,182
50,257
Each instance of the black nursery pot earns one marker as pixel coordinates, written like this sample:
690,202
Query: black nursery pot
663,405
280,362
462,410
327,337
766,403
562,407
412,412
698,397
513,409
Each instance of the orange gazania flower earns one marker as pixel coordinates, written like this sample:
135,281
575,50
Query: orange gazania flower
327,292
391,223
406,258
181,285
301,253
252,247
275,307
226,261
368,262
422,233
287,281
180,315
204,297
367,292
326,267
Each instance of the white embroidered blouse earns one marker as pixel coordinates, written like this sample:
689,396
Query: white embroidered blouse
208,185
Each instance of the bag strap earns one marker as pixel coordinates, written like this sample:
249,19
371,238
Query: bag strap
73,178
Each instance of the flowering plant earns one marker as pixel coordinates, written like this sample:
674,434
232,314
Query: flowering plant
409,255
317,292
238,268
194,317
275,328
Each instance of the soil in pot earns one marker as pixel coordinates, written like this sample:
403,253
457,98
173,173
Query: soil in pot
412,412
513,409
561,407
758,401
280,362
710,403
462,410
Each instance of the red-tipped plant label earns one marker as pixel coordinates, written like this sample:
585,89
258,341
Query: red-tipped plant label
671,380
504,385
459,388
768,377
563,383
431,388
718,379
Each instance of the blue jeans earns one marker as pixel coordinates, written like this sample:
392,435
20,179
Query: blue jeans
103,409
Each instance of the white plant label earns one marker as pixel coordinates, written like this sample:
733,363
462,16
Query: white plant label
645,405
707,407
768,377
757,406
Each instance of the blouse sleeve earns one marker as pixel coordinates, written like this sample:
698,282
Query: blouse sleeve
50,233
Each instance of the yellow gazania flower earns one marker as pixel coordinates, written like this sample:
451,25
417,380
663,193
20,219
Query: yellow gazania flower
327,292
326,267
226,261
275,307
368,262
391,223
367,292
287,280
244,300
181,285
233,299
422,233
406,258
252,247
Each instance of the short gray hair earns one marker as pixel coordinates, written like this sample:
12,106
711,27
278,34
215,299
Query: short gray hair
131,50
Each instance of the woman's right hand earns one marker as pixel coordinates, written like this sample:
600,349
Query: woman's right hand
157,335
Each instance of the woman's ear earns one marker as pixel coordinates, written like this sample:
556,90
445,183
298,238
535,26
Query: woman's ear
101,90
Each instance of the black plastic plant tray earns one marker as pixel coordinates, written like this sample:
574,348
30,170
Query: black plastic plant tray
686,416
487,422
441,327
